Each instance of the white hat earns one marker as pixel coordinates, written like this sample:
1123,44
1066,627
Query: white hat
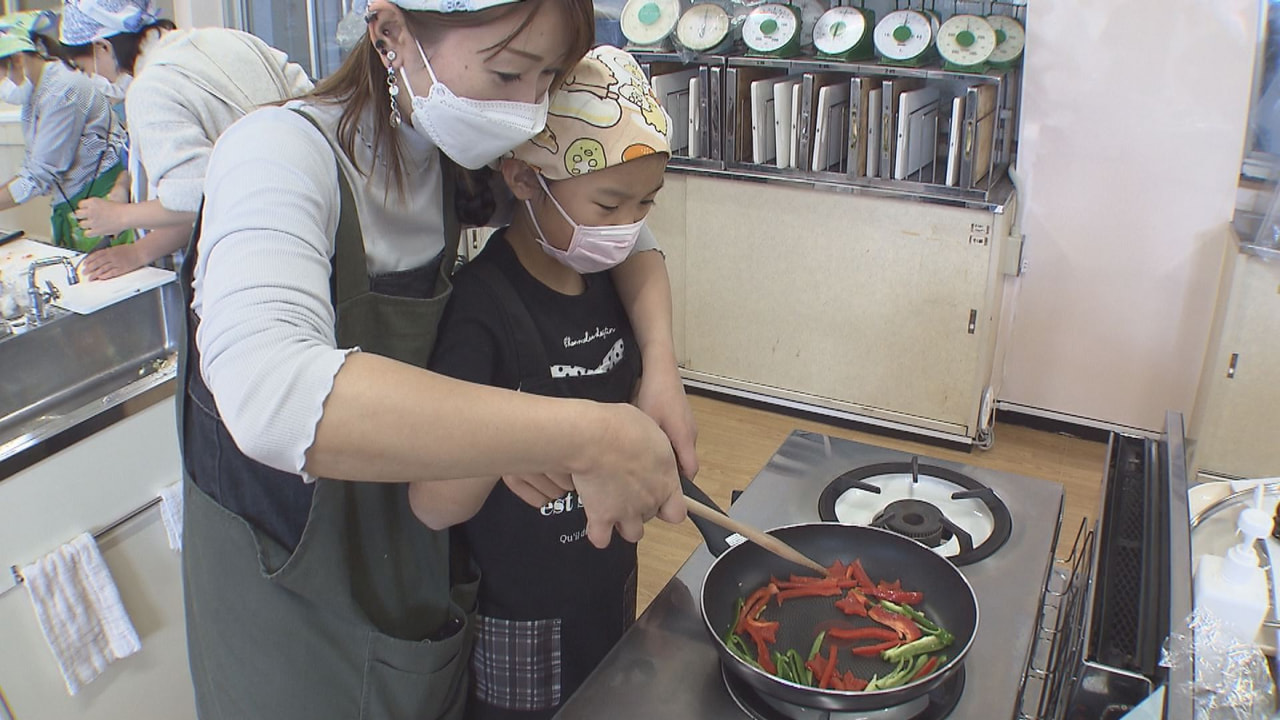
84,21
449,6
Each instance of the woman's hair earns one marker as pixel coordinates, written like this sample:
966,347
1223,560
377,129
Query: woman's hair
361,83
126,45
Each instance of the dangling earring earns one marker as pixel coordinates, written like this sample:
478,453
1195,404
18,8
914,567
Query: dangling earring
393,89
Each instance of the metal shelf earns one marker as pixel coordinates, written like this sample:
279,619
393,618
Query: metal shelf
993,200
811,64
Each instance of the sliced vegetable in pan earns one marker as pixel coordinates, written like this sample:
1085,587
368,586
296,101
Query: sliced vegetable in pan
901,635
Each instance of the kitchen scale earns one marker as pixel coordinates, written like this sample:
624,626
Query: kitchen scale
1011,39
966,42
704,28
648,24
904,37
773,30
844,33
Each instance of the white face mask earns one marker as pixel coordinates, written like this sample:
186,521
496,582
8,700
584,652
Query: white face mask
16,94
594,248
473,133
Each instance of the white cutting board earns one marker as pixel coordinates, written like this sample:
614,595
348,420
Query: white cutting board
85,296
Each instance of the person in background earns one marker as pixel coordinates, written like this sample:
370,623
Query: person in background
323,263
537,312
189,86
73,141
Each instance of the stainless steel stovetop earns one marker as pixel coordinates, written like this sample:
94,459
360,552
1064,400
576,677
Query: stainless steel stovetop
667,667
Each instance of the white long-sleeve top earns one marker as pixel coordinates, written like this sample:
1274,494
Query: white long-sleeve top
191,85
267,341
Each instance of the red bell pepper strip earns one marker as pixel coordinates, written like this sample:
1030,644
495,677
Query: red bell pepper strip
817,666
768,631
874,650
895,585
814,590
905,626
853,683
864,633
861,576
829,670
855,603
754,605
763,656
837,682
902,597
836,570
927,668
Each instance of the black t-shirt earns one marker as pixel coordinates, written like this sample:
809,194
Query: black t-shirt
581,334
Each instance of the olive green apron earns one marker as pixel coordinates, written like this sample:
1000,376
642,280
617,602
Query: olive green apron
369,616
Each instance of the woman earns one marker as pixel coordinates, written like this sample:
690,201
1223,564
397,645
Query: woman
317,282
191,86
73,141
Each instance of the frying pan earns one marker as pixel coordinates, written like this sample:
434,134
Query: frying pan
949,601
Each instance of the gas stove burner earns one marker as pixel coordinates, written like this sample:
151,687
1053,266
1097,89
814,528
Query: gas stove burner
936,705
950,512
921,521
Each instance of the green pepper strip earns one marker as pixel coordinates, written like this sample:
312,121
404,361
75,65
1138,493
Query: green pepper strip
817,645
924,623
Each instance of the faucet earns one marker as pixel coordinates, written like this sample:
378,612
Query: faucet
39,310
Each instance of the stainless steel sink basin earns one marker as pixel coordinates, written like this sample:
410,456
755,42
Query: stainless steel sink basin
74,367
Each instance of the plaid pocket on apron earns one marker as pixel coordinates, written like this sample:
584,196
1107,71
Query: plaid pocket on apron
516,664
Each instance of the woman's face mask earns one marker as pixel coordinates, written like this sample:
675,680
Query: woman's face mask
593,248
473,133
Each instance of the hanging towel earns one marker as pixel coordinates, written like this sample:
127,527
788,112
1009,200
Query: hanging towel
171,514
79,611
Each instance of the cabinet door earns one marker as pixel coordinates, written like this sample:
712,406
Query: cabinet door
1236,423
846,297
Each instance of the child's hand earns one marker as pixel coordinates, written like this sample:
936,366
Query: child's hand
661,396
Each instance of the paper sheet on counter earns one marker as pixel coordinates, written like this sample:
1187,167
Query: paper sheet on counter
86,296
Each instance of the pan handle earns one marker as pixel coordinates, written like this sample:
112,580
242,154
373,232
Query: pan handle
716,537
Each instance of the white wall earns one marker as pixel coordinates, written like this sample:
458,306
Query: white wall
198,13
1133,122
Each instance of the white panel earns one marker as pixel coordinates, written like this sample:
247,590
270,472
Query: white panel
1133,121
861,300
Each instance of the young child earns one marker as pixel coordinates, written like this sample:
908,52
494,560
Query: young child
537,312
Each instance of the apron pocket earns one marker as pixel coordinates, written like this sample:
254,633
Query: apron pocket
517,664
423,680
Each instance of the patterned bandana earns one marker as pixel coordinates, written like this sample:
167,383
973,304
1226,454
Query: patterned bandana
605,114
84,21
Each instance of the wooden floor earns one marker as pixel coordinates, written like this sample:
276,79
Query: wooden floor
736,441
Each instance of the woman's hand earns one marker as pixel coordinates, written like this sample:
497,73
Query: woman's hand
538,490
661,396
98,217
112,262
629,477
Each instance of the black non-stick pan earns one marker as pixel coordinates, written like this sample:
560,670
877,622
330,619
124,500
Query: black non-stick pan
949,601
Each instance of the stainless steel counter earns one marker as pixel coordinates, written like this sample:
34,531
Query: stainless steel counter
77,374
666,666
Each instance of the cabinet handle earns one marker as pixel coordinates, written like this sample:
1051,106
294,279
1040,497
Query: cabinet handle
973,321
1231,366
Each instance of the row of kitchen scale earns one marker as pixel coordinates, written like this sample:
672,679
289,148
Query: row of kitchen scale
907,37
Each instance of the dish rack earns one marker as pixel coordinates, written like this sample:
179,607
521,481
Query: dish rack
1123,589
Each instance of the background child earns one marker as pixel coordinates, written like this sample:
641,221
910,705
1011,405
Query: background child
537,311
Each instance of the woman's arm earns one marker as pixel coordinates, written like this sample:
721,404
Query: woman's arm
645,291
295,402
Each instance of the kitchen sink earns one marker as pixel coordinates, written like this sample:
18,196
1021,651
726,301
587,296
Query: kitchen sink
72,368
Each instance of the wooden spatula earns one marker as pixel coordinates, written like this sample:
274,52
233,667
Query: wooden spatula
755,535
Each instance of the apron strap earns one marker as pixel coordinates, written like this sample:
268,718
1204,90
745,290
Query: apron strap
531,359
